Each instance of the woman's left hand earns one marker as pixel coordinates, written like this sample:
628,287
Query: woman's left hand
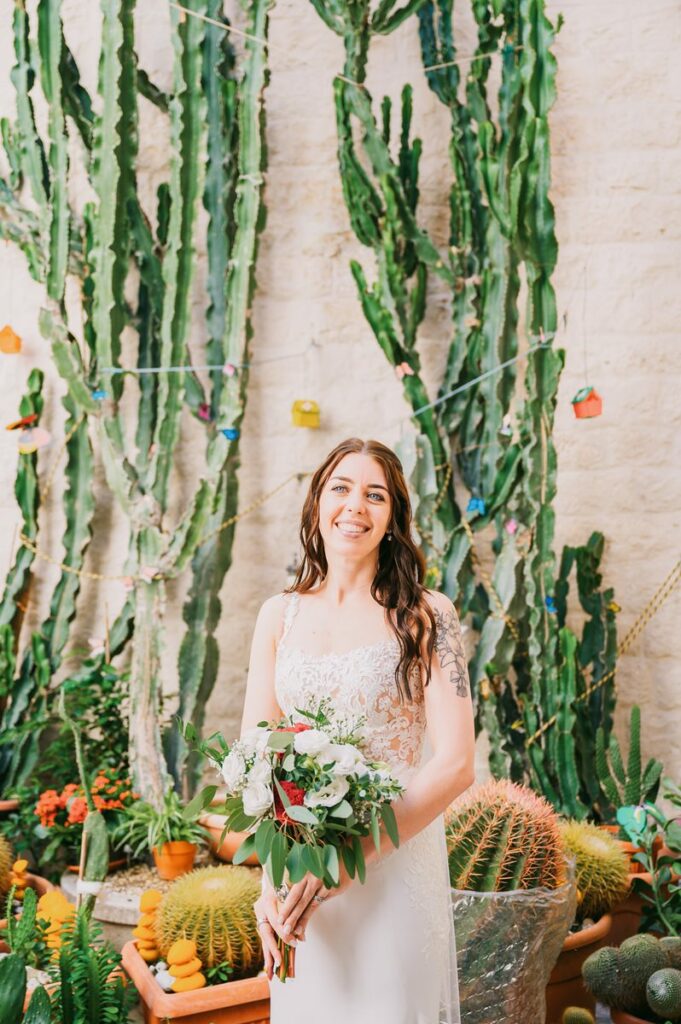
300,904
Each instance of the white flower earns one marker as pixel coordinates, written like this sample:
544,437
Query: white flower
348,759
330,795
232,771
257,799
313,742
254,741
261,772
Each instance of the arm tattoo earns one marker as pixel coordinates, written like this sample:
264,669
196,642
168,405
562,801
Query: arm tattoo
449,646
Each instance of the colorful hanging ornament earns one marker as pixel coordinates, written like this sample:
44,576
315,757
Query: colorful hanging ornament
231,433
229,369
10,342
404,370
99,394
587,403
32,439
25,421
476,505
305,413
511,526
550,605
203,412
614,607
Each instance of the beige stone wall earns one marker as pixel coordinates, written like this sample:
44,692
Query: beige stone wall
616,133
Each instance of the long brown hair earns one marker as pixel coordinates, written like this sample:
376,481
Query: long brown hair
398,583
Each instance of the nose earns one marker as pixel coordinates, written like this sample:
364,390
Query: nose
355,501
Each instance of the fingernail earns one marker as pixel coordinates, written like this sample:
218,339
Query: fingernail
280,919
287,927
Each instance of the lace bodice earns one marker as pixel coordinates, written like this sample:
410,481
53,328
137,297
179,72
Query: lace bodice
360,682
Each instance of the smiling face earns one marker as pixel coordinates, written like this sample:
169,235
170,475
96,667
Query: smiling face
354,506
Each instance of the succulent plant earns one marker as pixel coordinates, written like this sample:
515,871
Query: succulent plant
577,1015
501,836
6,860
602,869
213,907
619,977
663,993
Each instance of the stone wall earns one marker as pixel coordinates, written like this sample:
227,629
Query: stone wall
616,132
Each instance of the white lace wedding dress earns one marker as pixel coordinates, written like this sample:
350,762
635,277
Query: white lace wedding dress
382,952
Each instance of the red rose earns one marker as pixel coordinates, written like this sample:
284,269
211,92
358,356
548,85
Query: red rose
296,796
298,727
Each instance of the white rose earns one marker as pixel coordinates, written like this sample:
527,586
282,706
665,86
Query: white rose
232,771
254,741
313,742
330,795
257,799
261,772
348,758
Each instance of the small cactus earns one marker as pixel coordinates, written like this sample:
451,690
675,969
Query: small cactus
663,993
6,858
601,868
502,836
577,1015
619,977
213,908
672,947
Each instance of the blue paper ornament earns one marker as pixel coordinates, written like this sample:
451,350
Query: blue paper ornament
99,394
476,505
231,433
550,605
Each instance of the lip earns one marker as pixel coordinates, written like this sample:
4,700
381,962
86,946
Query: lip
349,522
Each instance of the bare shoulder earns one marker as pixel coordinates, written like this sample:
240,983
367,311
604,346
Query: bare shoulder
271,614
443,610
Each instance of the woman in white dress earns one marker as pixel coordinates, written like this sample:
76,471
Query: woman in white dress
358,626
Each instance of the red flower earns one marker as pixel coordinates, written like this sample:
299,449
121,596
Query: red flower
298,727
295,794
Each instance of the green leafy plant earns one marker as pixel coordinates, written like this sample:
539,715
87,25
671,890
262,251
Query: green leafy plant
644,826
145,827
630,785
13,994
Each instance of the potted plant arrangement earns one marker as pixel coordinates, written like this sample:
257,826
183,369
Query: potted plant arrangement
602,875
509,877
168,834
196,955
640,980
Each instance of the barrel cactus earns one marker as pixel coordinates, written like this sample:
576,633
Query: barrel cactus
577,1015
502,836
601,867
213,907
619,977
663,993
672,947
6,859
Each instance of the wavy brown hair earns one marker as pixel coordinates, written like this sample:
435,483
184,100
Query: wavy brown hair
398,583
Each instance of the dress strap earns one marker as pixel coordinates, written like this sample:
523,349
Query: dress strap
292,602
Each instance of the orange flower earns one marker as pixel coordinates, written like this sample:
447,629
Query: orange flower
77,810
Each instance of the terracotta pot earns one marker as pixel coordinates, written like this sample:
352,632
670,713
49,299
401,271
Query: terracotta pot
174,859
235,1002
622,1017
626,916
41,886
7,806
214,824
565,987
635,868
113,865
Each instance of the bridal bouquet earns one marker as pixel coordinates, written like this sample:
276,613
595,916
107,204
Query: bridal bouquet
306,795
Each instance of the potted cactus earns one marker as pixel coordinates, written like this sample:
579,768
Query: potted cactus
640,980
509,877
602,874
211,911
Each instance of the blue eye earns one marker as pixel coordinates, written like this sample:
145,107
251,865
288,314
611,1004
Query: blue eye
372,494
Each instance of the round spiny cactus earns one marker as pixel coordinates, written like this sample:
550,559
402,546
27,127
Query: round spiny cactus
663,992
618,977
213,907
577,1015
602,869
6,861
501,836
672,947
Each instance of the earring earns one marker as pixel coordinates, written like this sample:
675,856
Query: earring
389,536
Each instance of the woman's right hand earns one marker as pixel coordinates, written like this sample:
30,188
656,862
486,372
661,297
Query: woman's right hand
267,910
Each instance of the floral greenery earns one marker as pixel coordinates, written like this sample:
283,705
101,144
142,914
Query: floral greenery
662,898
143,827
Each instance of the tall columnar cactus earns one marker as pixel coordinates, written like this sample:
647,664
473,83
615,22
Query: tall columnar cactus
501,837
493,427
216,120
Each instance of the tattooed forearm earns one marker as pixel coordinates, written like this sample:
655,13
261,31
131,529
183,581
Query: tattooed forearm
449,646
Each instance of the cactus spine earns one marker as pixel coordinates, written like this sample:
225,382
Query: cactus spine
213,907
602,869
619,977
211,100
501,837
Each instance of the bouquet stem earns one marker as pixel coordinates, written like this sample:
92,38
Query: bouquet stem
287,967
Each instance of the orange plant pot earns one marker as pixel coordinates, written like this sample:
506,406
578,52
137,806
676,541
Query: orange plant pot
225,850
174,859
41,886
565,987
7,806
235,1002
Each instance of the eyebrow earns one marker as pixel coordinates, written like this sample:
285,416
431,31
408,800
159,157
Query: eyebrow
349,480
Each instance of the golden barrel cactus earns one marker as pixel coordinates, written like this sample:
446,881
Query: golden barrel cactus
602,869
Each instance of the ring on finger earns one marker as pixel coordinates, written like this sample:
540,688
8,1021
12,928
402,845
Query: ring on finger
317,898
261,920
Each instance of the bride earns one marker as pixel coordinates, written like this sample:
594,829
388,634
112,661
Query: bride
358,626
